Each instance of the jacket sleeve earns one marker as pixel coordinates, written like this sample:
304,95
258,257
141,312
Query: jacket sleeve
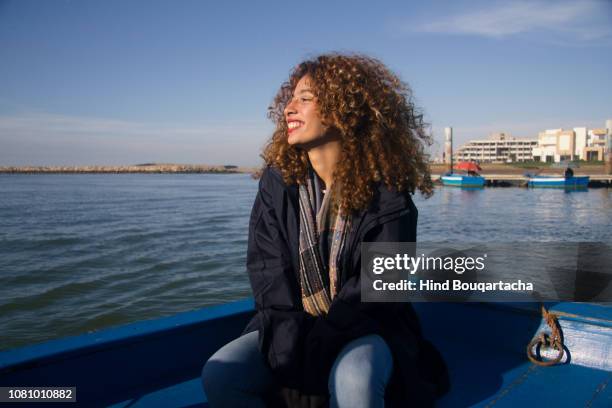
283,322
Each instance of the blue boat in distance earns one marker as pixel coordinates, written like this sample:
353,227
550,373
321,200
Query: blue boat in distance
562,182
470,179
460,180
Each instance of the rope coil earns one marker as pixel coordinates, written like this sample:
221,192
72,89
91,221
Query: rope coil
554,340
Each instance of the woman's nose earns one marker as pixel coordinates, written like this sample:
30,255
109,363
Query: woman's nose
290,108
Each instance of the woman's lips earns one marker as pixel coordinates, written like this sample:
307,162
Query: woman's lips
294,124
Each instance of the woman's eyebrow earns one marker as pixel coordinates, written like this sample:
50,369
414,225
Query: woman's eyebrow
305,90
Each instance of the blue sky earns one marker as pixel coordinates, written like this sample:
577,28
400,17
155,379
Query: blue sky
125,82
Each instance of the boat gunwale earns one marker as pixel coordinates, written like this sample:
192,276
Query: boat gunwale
107,338
534,309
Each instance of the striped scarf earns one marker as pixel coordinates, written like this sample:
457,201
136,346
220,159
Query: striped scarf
319,283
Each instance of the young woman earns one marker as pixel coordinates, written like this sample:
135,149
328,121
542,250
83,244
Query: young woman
346,155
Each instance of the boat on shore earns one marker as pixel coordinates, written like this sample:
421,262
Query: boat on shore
559,181
157,363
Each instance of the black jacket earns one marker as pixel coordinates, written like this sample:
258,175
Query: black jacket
301,348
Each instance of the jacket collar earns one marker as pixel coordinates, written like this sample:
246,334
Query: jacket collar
385,203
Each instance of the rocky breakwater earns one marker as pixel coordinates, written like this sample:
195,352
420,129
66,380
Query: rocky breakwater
138,168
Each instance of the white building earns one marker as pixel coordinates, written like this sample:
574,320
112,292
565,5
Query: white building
555,145
579,143
498,148
596,144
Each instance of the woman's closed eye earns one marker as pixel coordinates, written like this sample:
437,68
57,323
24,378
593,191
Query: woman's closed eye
303,99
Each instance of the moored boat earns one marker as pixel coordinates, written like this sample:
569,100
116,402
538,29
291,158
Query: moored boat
462,180
563,182
470,179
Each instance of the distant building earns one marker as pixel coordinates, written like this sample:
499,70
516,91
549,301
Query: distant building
552,145
596,144
555,145
580,143
498,148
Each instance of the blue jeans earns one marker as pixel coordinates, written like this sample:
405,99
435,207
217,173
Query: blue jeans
237,374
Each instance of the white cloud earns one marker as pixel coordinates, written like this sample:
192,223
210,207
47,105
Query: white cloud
45,139
580,19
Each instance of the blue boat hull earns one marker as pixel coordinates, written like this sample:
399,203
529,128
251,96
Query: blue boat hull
463,181
562,182
157,363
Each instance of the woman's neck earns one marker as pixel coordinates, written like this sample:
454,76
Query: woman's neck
323,160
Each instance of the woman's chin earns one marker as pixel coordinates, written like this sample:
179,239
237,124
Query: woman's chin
293,140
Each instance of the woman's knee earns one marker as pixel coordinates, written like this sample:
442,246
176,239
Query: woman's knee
214,376
361,371
224,368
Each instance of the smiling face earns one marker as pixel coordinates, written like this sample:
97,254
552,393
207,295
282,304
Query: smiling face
302,116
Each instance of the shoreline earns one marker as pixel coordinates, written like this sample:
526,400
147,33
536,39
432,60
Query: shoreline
497,175
131,169
436,169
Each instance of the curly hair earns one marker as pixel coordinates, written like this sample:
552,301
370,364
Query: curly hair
382,132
